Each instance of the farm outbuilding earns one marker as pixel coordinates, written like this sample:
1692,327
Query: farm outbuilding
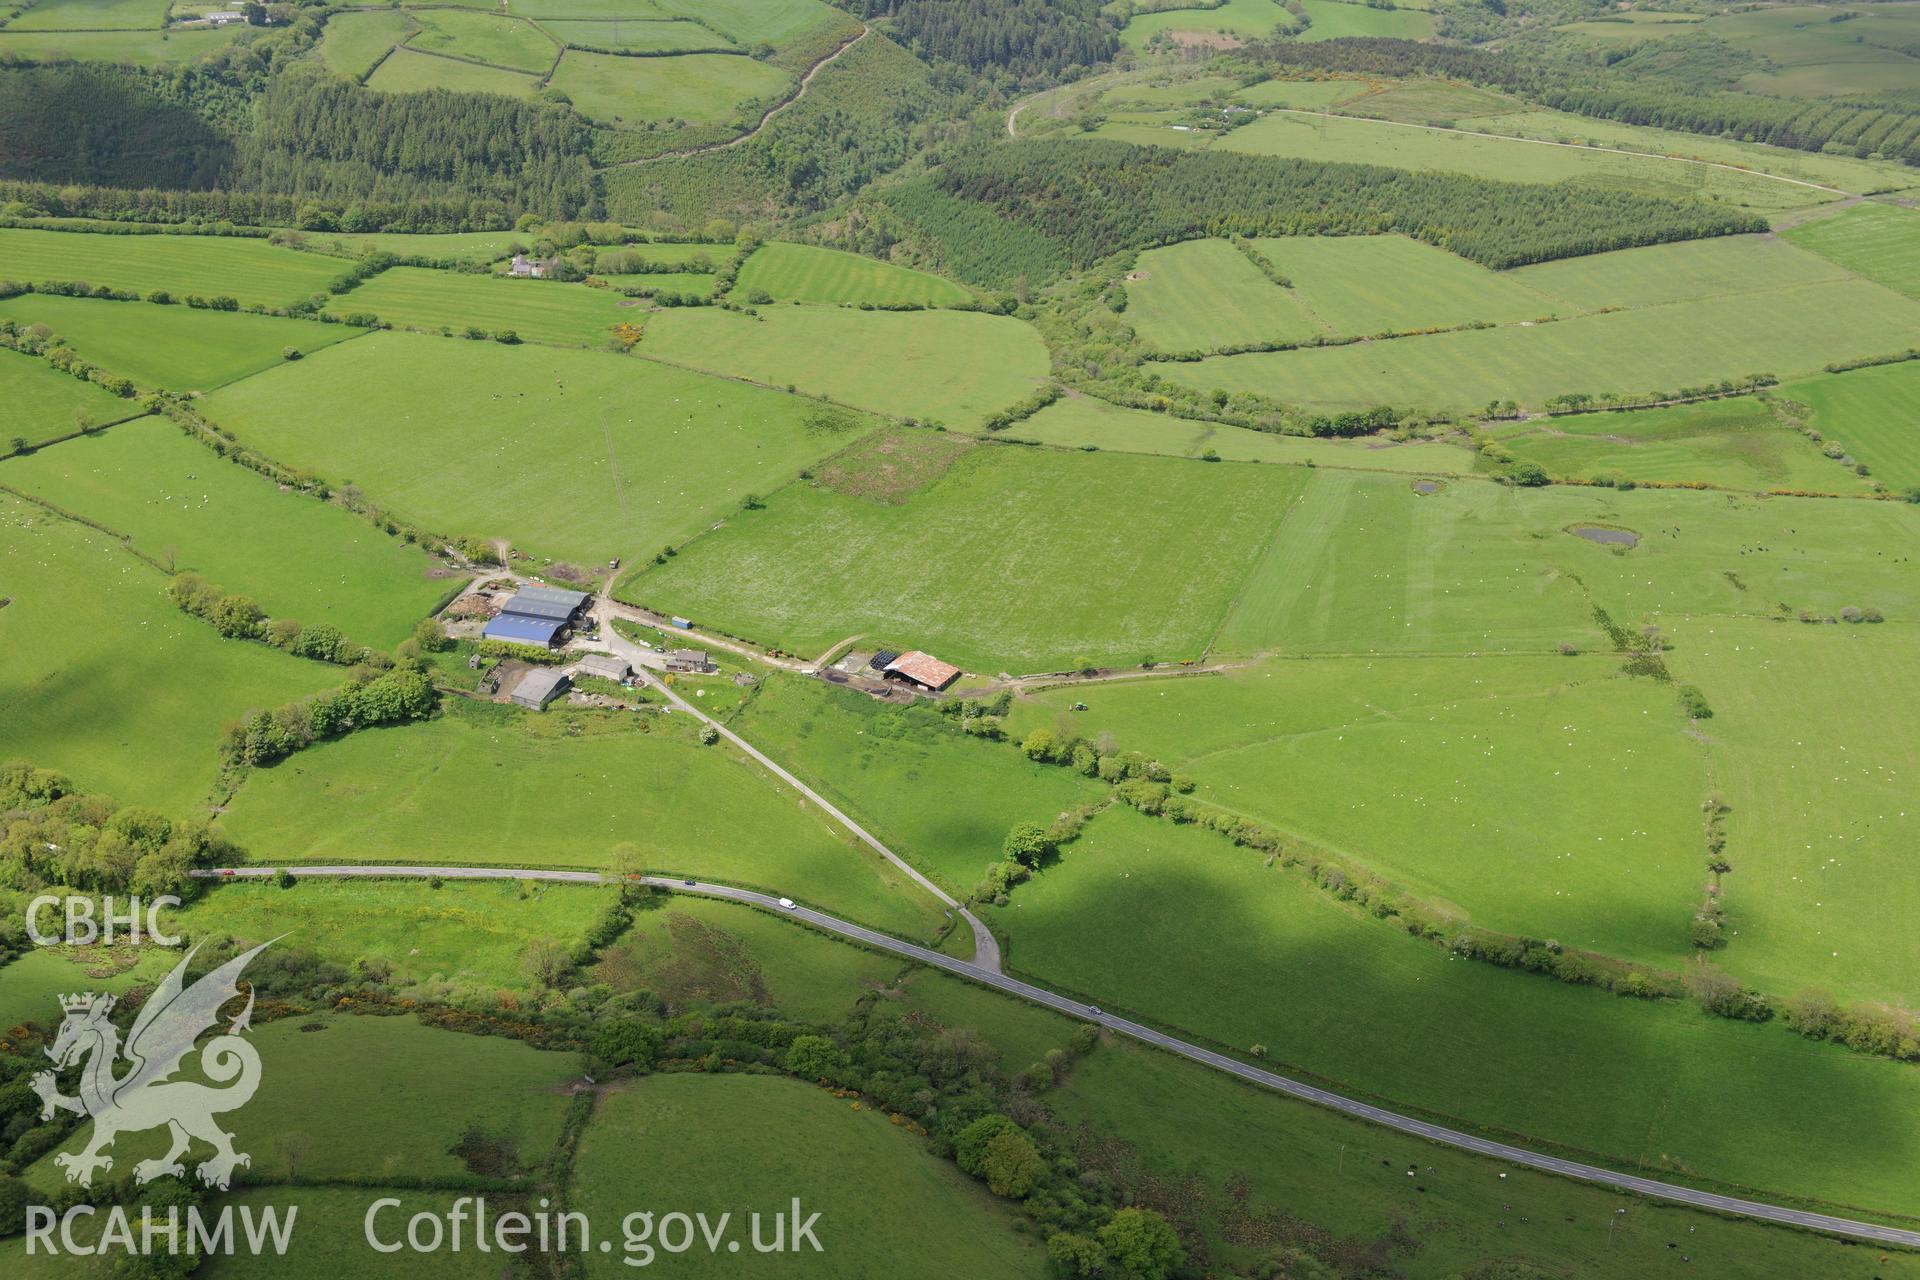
606,666
516,629
538,687
922,670
574,600
522,607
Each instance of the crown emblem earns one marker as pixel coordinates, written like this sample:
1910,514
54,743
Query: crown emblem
86,1003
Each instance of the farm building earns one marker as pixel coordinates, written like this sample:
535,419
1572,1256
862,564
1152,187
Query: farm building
523,606
689,660
879,661
538,687
606,666
516,629
527,268
575,600
922,670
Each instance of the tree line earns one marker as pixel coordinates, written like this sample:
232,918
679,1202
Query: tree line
1022,37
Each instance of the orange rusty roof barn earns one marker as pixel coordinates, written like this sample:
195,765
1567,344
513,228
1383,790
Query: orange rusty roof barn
924,670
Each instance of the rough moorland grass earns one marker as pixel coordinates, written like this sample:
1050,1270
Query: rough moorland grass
741,1144
807,273
496,786
648,35
579,454
108,681
1814,746
1335,19
183,505
176,348
373,1097
138,48
1015,559
1363,564
43,402
1691,271
1360,141
1542,795
252,271
1737,442
91,15
900,771
1426,102
1871,413
1077,422
485,37
1186,930
1881,242
1359,285
356,41
534,310
1206,294
407,71
699,87
954,367
1786,332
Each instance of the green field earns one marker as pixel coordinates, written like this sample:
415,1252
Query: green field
746,22
1432,102
357,40
559,789
1206,294
1186,930
570,453
947,366
1785,331
1739,443
182,505
1632,26
250,270
1871,413
1879,241
804,273
1813,744
177,348
737,1143
407,71
1081,421
654,35
1335,19
31,984
1232,23
701,88
466,246
1021,560
1540,794
1811,56
1359,285
43,403
1694,271
537,310
655,253
137,48
91,15
484,37
132,699
331,1239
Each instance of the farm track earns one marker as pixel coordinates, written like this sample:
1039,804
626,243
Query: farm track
1411,1125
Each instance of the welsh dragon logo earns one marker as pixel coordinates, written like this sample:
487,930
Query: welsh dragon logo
168,1025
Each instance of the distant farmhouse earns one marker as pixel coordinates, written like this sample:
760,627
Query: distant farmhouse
529,268
542,616
693,660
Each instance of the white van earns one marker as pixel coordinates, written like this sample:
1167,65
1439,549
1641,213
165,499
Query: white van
787,903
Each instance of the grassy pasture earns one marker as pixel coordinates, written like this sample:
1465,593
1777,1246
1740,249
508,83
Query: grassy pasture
356,41
331,1239
91,15
744,1143
389,793
647,35
1335,19
1786,331
1386,284
42,401
631,455
805,273
704,88
1814,743
299,558
372,1097
132,699
1738,442
1812,56
1879,241
697,283
1231,24
1427,102
667,252
750,22
1196,934
950,366
1081,421
484,37
409,71
1022,560
468,246
1401,146
1632,27
32,983
536,310
1693,271
252,271
1538,794
1205,294
138,48
178,348
1306,94
1871,412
